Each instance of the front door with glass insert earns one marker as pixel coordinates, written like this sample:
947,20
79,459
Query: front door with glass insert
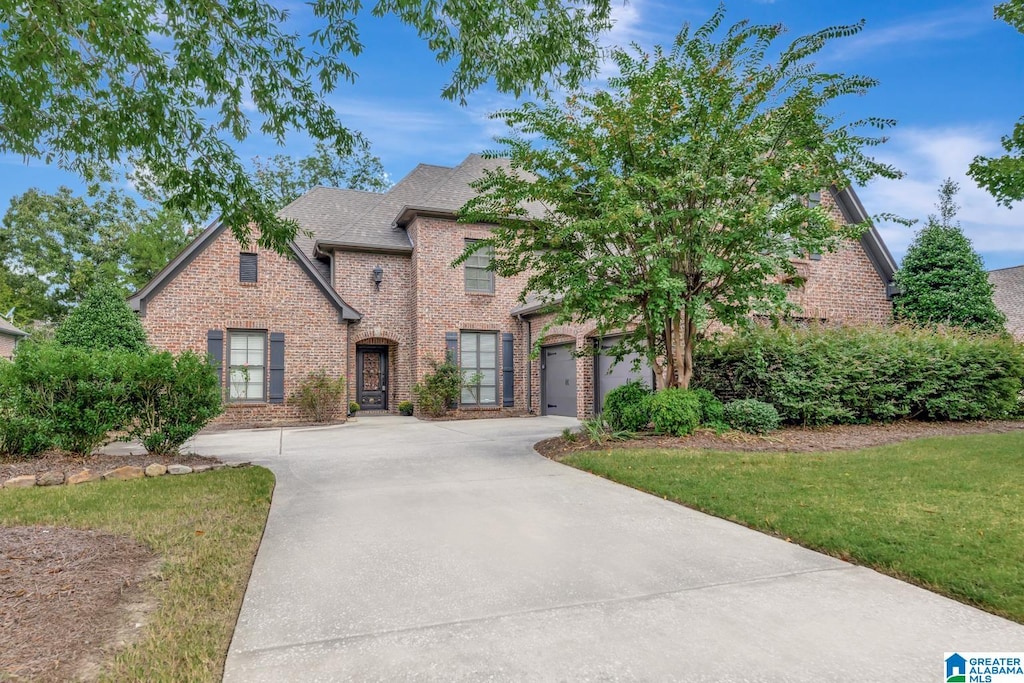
372,377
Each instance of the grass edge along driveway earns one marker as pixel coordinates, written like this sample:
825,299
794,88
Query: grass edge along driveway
206,529
943,513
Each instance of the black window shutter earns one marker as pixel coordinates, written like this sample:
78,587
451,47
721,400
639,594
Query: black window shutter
451,347
276,392
248,267
215,350
451,353
508,387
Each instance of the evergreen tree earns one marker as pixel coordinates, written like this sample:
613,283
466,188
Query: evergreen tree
103,321
942,277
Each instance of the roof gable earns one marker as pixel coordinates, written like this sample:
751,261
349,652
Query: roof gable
139,299
8,329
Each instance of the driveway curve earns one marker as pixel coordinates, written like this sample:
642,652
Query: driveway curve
451,551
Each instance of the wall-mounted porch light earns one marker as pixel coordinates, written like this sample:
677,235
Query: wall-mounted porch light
378,276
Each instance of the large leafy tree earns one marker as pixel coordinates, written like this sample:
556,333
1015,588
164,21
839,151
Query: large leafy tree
678,196
942,278
55,246
167,85
283,178
1003,176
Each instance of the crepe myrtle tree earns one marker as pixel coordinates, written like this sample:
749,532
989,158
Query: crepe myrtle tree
677,196
169,87
1003,176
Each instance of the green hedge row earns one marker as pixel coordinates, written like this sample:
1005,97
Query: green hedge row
55,396
830,375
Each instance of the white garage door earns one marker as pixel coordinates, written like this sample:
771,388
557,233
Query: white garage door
609,374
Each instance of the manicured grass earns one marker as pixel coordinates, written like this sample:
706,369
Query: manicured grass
944,513
206,528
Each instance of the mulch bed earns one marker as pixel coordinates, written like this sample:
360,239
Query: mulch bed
789,439
67,597
56,461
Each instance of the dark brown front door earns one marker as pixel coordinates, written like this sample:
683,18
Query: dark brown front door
372,377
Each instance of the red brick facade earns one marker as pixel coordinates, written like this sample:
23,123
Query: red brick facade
420,300
7,344
207,295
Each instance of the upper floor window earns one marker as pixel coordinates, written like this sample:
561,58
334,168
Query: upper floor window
248,267
247,359
478,277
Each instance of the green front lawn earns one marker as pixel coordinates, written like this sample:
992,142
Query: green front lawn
944,513
206,529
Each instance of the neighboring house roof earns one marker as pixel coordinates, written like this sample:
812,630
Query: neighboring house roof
139,299
1008,295
9,330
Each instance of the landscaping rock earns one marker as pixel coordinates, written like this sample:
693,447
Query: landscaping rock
240,464
201,468
125,473
156,470
83,477
22,482
218,466
50,479
179,469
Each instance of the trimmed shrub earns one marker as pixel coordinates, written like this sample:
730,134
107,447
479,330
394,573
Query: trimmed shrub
751,416
77,396
170,399
440,388
710,408
627,408
829,375
21,435
675,411
353,407
405,408
319,397
103,321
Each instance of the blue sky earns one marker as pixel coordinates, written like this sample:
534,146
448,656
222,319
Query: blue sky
949,73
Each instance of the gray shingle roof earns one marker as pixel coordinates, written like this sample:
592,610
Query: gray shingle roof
6,328
367,219
1009,297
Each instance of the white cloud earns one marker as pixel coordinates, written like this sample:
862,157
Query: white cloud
928,156
921,28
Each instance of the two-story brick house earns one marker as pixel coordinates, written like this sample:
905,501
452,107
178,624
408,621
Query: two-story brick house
369,293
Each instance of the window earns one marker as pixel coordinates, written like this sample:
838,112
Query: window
478,278
479,360
247,351
247,267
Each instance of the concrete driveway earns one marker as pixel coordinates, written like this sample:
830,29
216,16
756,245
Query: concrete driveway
407,550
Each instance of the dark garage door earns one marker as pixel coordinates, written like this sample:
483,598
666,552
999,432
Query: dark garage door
559,377
610,374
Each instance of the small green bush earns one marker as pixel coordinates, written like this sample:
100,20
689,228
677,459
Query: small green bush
21,435
353,407
440,388
103,321
675,411
78,396
711,409
627,408
319,397
171,399
751,416
405,408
